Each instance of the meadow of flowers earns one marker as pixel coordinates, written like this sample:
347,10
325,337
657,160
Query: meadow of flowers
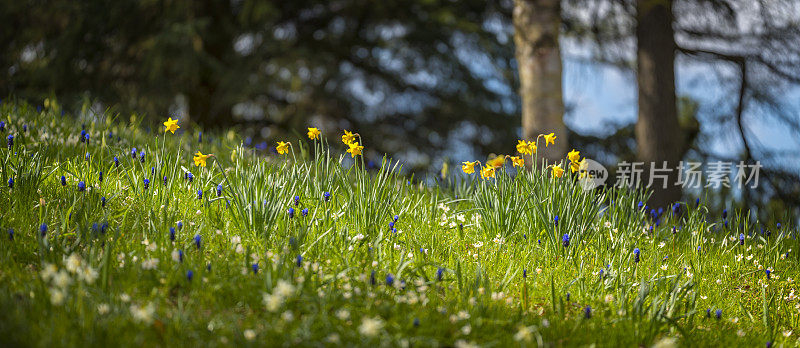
118,235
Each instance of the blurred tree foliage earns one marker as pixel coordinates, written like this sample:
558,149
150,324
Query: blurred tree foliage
404,73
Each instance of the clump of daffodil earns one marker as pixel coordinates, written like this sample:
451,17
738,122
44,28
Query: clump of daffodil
468,167
172,125
354,149
558,171
517,161
200,159
549,139
283,148
348,137
526,148
487,171
313,133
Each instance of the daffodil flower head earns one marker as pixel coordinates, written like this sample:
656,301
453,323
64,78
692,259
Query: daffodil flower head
354,149
348,137
532,146
523,147
468,167
171,125
549,139
574,156
200,159
487,172
497,162
313,133
517,161
557,171
282,148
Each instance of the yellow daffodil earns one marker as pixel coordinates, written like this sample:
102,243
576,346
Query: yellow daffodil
574,156
348,137
497,162
354,149
558,171
468,167
172,125
532,147
487,172
549,139
517,161
200,159
283,148
523,147
576,166
313,133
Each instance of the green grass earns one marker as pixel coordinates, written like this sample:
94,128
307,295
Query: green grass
85,284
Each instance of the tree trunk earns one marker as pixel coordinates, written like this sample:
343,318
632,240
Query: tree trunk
658,134
536,31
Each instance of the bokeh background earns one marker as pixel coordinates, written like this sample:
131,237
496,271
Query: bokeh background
433,82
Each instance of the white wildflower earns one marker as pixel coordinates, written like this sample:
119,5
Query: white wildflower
249,334
370,327
143,314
